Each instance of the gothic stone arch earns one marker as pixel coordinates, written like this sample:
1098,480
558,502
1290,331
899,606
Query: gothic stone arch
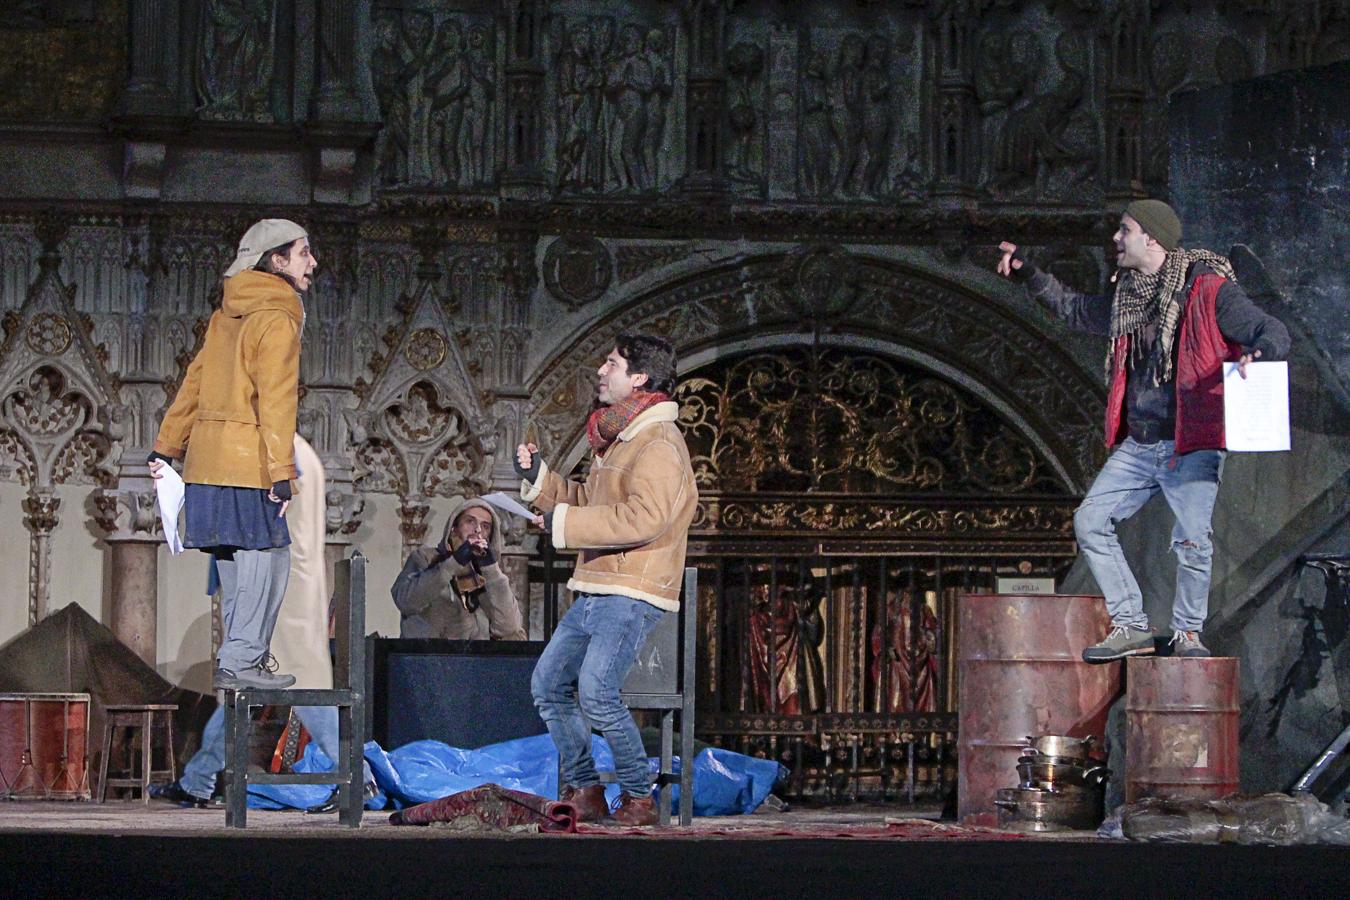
783,298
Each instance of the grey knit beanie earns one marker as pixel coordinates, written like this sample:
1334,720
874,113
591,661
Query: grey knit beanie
1158,220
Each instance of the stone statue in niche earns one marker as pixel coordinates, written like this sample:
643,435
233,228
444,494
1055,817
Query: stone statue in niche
657,99
450,87
814,130
844,91
392,65
576,111
478,108
745,63
234,66
628,84
878,115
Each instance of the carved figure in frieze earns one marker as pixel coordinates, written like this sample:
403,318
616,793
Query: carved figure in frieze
576,80
1009,64
877,115
657,100
418,35
234,67
477,148
629,82
390,69
814,134
1036,137
602,115
846,114
449,86
745,62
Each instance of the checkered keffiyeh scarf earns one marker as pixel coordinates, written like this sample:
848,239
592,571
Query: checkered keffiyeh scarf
605,423
1143,299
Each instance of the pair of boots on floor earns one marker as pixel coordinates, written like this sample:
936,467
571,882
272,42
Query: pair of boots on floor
591,806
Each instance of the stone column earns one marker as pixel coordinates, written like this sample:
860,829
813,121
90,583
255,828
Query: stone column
522,22
134,583
152,58
130,520
335,98
40,519
705,116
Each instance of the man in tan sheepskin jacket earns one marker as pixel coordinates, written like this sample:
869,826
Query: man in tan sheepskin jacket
629,523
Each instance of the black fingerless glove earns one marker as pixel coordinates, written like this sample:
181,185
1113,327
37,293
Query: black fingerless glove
281,490
532,473
463,554
155,455
1027,269
488,558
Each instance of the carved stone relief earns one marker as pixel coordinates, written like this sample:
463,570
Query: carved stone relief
236,53
857,103
1043,141
435,78
615,83
577,269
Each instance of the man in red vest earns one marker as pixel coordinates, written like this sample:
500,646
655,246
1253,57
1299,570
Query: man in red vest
1175,318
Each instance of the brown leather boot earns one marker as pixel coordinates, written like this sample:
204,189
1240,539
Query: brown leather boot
588,801
633,811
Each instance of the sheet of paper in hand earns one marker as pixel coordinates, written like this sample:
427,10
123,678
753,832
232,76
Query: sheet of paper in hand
1256,408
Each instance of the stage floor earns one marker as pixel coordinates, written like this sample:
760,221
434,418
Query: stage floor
125,849
162,818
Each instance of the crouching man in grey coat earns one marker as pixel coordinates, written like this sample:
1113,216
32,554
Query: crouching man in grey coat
446,591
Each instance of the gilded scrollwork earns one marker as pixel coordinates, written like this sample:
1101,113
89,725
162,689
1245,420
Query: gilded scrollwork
831,420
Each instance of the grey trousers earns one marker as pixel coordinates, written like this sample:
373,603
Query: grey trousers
252,586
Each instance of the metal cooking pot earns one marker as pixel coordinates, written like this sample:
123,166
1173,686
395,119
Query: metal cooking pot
1060,745
1053,774
1032,809
1031,756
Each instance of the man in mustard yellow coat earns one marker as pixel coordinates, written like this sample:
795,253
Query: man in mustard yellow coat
233,420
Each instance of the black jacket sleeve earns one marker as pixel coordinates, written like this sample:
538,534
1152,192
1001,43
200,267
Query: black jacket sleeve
1243,322
1082,312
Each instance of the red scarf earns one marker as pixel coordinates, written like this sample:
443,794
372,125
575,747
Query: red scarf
605,423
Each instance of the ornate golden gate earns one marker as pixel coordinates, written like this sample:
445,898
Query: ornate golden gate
846,499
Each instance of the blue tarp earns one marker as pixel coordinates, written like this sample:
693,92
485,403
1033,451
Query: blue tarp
725,783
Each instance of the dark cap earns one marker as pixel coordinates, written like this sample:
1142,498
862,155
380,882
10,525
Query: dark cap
1158,220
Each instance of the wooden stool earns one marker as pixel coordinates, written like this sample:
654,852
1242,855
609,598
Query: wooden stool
145,718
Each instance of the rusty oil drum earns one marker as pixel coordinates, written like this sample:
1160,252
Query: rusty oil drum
44,746
1181,728
1021,670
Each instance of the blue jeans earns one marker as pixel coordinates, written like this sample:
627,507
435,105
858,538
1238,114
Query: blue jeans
576,686
1133,474
199,775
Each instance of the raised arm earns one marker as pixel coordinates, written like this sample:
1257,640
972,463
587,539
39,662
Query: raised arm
1081,312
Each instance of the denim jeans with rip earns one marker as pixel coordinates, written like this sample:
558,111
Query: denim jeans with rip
1131,476
576,685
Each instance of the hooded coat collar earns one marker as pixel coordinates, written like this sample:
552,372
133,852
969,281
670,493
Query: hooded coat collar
252,291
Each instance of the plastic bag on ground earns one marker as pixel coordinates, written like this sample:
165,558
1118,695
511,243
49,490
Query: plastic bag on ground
1271,819
725,782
